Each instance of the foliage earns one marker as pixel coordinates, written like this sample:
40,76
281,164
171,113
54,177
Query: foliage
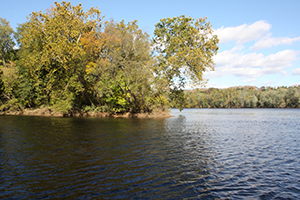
244,97
6,40
70,60
184,48
121,74
51,55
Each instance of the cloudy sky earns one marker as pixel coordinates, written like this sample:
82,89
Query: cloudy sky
259,39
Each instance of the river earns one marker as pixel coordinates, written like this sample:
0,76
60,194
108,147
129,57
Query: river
197,154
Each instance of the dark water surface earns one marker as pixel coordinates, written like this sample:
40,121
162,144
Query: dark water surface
197,154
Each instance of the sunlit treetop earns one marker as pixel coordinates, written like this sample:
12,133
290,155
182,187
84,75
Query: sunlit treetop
185,47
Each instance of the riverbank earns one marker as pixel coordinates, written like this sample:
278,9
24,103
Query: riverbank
49,113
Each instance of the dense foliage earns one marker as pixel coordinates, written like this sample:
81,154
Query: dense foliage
185,48
244,97
73,61
6,41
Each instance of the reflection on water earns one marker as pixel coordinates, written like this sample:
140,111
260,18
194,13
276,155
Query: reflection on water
198,153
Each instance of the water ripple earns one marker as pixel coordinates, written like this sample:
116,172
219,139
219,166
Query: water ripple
198,154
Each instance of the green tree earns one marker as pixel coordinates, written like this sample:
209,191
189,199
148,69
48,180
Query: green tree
51,54
184,48
122,74
8,95
202,100
251,98
6,40
292,97
133,62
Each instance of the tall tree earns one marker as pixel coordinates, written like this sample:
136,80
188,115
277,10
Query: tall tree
184,48
120,66
6,41
52,53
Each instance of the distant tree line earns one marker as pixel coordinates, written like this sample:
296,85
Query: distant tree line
244,97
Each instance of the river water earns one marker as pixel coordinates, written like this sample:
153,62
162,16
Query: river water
197,154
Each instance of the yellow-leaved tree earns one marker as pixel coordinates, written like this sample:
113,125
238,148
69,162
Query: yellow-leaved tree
52,55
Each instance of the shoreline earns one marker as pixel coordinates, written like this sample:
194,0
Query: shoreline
45,112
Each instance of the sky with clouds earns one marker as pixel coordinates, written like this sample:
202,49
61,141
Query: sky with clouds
259,39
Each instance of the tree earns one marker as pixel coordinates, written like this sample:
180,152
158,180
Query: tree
292,98
121,73
6,41
52,54
133,62
184,48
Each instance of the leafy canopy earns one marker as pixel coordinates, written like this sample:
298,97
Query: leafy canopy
52,51
184,49
70,60
6,41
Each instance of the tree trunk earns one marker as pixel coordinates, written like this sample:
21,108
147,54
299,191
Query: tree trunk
3,60
124,92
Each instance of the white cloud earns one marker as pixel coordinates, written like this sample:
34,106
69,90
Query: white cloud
296,71
243,33
284,73
269,41
238,62
251,65
250,80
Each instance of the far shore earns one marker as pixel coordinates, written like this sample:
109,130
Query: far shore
48,113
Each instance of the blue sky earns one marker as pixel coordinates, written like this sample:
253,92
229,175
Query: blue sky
259,40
